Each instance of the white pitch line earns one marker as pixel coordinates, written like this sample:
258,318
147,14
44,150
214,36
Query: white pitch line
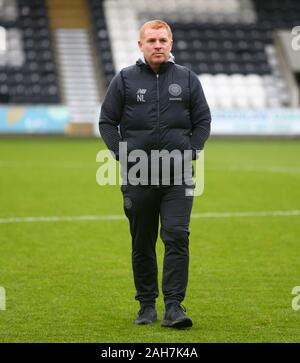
61,219
265,169
112,217
79,165
47,164
275,213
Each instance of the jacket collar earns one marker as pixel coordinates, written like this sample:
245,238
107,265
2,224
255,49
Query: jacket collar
142,62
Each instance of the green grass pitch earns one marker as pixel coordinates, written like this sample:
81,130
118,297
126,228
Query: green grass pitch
71,281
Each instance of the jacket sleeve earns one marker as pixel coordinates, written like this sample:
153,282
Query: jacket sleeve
111,113
200,115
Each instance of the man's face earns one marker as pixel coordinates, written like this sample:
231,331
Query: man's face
156,44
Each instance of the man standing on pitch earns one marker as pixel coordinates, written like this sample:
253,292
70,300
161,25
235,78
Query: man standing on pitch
157,105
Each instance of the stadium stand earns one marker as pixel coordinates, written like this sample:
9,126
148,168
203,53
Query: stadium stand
102,40
65,52
74,47
229,44
27,67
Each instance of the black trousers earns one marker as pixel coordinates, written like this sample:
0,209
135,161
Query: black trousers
144,206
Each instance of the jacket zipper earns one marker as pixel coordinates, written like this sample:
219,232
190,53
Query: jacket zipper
158,118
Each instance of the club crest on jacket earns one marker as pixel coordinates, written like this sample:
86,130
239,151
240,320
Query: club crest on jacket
174,89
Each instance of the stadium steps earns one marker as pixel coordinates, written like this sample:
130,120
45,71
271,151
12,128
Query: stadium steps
70,22
79,87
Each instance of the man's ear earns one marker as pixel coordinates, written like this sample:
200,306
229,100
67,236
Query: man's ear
140,44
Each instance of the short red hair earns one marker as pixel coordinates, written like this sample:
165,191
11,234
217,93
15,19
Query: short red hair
156,24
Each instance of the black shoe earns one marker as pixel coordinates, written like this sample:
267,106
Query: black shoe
146,315
175,317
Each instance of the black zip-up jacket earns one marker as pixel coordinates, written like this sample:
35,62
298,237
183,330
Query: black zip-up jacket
155,111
